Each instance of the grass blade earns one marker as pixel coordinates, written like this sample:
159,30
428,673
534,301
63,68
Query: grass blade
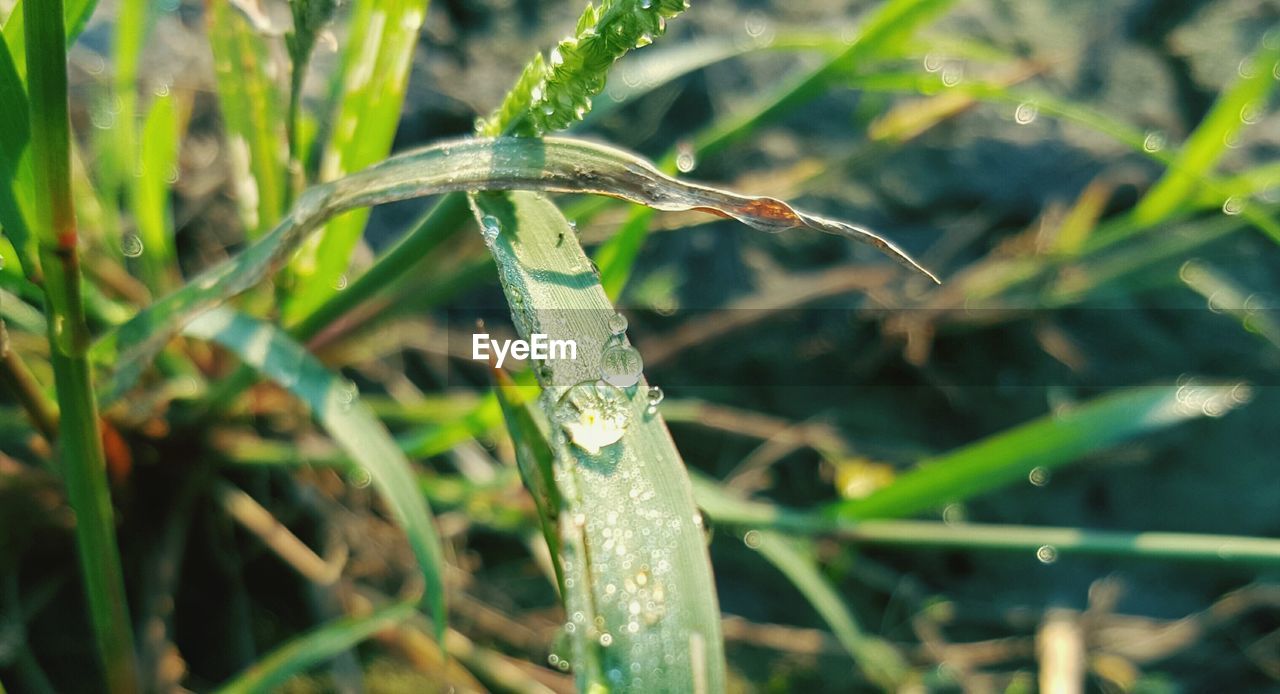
551,164
79,439
305,652
15,166
383,36
1221,549
534,458
76,15
885,31
1047,442
879,661
643,604
1201,152
335,404
250,106
157,166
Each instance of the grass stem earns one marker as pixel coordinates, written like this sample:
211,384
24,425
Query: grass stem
79,440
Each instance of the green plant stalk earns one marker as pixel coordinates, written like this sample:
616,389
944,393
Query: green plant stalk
79,441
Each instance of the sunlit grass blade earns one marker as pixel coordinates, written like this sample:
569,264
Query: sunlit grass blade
312,649
550,164
642,604
335,404
1048,442
1240,105
16,205
80,450
157,168
879,661
382,38
76,15
250,106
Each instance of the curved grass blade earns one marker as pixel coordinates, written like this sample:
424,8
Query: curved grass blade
884,33
553,164
335,404
638,587
879,661
1047,442
305,652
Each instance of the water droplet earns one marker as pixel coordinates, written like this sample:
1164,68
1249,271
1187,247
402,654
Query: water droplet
570,627
346,395
489,227
953,514
360,477
1251,112
131,245
1,262
1231,140
573,226
595,414
1026,113
752,539
1245,69
617,324
654,398
621,366
1047,554
932,62
1232,206
606,640
340,283
161,89
756,24
1039,476
1154,142
686,159
952,73
646,4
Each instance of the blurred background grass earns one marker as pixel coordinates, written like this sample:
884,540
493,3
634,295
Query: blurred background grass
1095,183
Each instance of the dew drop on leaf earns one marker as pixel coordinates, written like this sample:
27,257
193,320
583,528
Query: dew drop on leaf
131,245
621,365
617,324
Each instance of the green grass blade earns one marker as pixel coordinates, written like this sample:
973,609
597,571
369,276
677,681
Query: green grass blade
1234,109
382,38
335,404
157,167
76,15
643,605
535,459
1221,549
250,106
552,164
79,439
1048,442
314,648
16,205
880,662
